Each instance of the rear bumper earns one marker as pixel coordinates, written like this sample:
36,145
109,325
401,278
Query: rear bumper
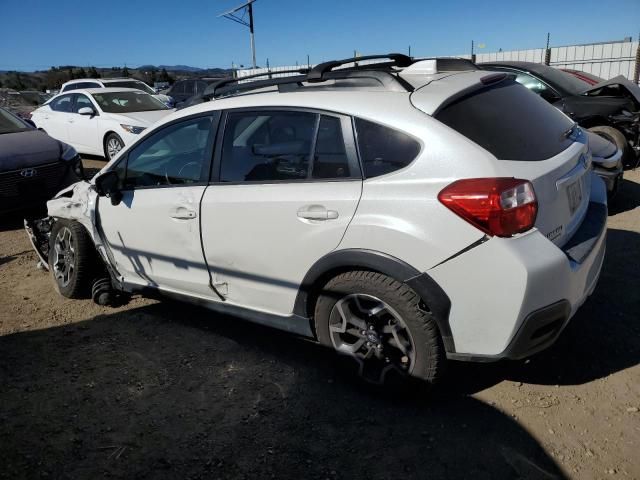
511,298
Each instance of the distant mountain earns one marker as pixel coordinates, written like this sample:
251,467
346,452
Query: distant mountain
171,68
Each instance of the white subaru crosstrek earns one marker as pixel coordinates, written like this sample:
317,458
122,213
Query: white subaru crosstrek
398,215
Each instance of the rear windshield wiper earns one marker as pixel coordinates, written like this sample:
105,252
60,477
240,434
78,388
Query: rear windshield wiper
570,131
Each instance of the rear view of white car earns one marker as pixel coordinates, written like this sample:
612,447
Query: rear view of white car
398,215
84,83
99,121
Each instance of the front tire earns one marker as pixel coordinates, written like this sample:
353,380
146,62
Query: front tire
72,259
381,324
112,145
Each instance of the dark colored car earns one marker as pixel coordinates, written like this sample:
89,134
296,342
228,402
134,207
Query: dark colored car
185,89
586,77
609,108
33,166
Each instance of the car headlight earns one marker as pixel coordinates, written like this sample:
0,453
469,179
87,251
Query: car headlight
68,152
70,155
133,129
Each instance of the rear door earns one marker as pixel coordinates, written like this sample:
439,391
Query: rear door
55,121
534,141
286,184
82,130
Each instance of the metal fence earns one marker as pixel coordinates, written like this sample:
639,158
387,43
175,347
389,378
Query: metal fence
605,60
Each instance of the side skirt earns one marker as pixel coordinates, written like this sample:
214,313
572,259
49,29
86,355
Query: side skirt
293,323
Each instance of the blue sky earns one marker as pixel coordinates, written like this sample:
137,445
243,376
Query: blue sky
37,34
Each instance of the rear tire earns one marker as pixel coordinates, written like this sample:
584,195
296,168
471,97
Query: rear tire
615,136
386,330
112,145
72,259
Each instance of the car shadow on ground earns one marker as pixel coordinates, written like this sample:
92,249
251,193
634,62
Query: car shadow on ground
600,340
175,391
627,198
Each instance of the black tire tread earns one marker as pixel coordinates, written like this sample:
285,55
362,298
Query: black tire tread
395,293
86,261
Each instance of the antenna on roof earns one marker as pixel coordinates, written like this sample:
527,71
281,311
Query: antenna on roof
233,15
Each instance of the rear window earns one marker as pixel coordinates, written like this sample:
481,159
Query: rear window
383,149
510,122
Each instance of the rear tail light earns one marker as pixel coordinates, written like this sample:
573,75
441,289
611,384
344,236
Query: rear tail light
497,206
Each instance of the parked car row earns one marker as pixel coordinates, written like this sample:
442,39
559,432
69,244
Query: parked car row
397,213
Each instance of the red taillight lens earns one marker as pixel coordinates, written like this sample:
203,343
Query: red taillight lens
497,206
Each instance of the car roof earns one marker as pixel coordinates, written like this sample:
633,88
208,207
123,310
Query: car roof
529,66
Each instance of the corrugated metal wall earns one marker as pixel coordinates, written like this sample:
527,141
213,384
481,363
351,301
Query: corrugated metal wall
606,60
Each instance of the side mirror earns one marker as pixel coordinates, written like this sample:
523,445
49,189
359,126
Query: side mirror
86,111
108,185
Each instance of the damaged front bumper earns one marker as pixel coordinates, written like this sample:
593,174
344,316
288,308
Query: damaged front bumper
38,232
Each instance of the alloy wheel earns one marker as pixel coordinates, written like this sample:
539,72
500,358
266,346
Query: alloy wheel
63,257
372,333
113,147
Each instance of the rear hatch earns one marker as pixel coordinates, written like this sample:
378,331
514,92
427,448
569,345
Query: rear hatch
531,140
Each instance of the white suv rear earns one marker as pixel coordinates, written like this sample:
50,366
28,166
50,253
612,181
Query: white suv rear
398,215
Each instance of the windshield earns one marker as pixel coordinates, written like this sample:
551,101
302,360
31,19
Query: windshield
11,124
127,102
131,84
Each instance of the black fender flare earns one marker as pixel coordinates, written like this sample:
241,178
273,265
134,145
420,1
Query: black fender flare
340,261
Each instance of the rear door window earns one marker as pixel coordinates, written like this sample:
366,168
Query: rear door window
509,121
62,103
382,149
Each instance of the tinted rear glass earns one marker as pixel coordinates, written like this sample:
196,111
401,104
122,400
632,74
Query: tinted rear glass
510,122
383,149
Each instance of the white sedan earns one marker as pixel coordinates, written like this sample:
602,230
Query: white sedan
99,121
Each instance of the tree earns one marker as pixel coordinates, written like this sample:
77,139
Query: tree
165,77
125,71
81,73
14,81
70,73
93,73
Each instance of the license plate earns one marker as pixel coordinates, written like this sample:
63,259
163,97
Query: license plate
574,194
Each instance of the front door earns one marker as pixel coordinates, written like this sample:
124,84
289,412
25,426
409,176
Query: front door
286,185
154,232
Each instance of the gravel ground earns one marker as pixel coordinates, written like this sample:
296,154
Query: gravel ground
162,390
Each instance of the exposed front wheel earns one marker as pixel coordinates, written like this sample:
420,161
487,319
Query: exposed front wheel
71,259
380,324
112,145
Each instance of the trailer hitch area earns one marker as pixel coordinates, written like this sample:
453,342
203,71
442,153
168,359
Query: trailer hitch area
38,232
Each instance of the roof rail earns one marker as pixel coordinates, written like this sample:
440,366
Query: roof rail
397,60
319,73
215,88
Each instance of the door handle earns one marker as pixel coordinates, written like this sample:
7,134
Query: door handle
183,213
317,212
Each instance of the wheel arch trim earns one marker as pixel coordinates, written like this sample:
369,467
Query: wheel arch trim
340,261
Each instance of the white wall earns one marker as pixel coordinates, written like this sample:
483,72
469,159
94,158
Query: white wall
606,60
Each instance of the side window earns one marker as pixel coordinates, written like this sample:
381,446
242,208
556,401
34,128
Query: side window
177,88
267,146
190,87
81,102
201,86
330,159
537,87
383,149
176,155
62,103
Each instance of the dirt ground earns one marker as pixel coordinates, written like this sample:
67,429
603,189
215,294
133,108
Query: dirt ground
163,390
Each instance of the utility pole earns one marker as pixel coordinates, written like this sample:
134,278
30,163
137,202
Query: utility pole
253,42
245,8
547,50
